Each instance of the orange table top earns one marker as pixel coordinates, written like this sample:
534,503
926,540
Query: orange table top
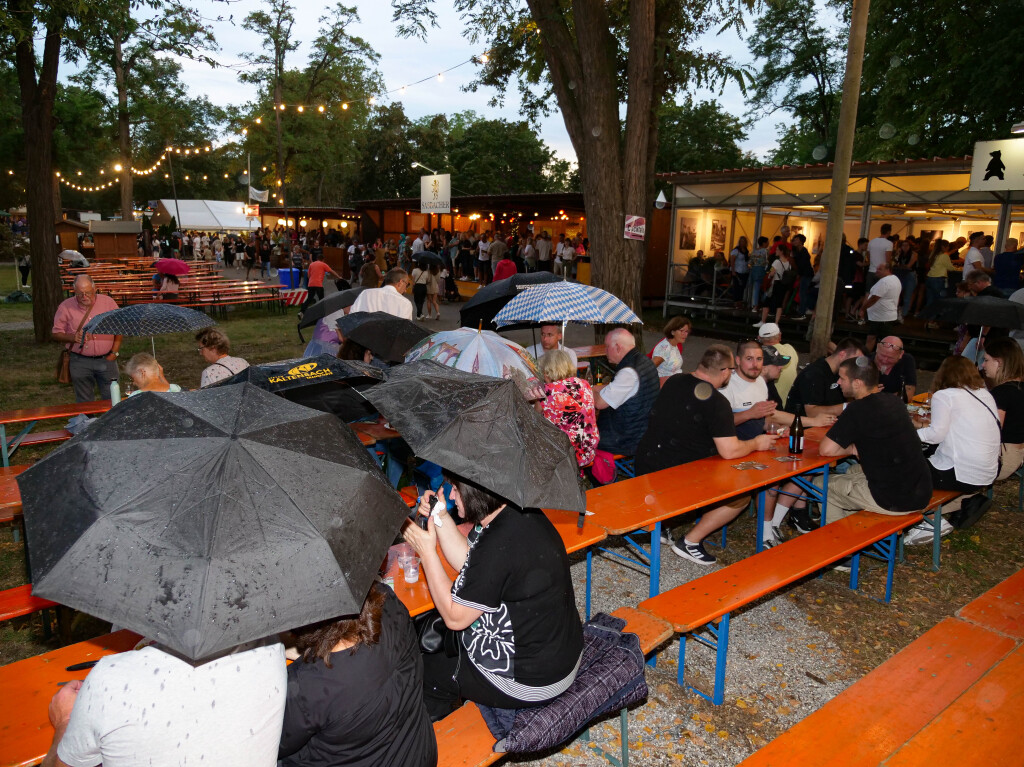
10,495
586,352
26,687
1001,608
632,504
55,411
375,431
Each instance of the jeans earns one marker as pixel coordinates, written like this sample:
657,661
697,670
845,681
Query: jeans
909,282
88,373
935,288
419,294
757,274
806,293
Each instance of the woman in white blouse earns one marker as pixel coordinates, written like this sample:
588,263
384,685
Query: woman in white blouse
965,427
666,355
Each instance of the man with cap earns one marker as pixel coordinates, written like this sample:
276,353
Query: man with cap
771,335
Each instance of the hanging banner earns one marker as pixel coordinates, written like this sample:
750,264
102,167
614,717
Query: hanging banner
998,165
636,228
436,193
258,194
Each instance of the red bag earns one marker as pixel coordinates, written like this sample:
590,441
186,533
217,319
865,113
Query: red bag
603,467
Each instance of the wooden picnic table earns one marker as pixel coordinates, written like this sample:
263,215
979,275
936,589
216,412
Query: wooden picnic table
375,432
587,352
31,416
10,495
26,687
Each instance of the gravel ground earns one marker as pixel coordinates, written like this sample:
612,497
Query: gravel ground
781,667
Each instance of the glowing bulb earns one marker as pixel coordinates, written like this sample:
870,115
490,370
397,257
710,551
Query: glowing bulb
101,171
209,148
186,178
281,107
117,167
245,132
264,168
259,120
345,105
371,101
225,175
188,151
79,173
484,58
204,178
167,175
320,109
300,108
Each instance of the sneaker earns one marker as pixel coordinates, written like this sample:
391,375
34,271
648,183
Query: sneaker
843,565
800,520
773,538
809,312
919,534
862,322
420,317
666,537
758,324
695,552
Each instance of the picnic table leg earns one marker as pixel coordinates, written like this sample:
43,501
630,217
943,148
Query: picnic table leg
855,571
759,546
824,493
3,445
720,658
624,736
654,582
890,550
936,537
590,565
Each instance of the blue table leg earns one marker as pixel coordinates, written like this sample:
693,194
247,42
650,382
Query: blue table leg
936,537
3,445
655,580
890,550
720,659
824,493
759,546
855,571
590,566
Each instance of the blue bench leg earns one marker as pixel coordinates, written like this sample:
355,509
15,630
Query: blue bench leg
936,537
890,551
720,658
624,736
654,582
719,642
590,569
855,571
759,545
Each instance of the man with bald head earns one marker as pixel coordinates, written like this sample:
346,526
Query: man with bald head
623,404
93,357
897,368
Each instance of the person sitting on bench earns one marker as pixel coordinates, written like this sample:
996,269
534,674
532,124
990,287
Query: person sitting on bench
148,375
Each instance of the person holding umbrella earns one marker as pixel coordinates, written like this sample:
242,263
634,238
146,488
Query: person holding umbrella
511,608
93,355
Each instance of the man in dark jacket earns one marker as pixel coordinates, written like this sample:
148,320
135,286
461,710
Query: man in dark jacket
623,404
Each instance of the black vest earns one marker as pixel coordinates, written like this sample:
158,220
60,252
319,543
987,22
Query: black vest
620,429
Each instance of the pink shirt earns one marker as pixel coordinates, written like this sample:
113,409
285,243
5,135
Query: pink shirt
69,314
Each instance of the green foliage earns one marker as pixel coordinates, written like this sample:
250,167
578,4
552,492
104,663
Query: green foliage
699,136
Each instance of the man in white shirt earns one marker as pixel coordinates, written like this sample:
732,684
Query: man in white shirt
390,298
544,252
747,391
551,338
879,252
417,245
973,258
483,260
880,307
624,404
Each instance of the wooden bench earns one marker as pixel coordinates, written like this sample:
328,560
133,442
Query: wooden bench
872,719
1000,609
712,598
18,602
463,739
10,494
933,516
27,419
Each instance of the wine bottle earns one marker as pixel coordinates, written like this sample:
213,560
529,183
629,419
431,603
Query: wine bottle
796,435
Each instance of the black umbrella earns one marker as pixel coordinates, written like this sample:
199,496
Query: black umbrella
483,429
490,300
429,257
323,383
984,310
210,518
149,320
329,305
387,336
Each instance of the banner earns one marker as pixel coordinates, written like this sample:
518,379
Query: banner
259,196
998,165
436,193
636,228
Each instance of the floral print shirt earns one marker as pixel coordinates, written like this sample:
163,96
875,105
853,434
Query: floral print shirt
569,405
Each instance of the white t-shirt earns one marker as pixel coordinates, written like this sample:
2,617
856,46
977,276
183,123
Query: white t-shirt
386,299
671,359
972,261
417,245
743,394
878,252
888,291
967,434
150,707
543,249
538,351
223,368
482,250
625,384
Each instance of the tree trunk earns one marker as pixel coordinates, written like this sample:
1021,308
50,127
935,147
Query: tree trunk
37,99
124,138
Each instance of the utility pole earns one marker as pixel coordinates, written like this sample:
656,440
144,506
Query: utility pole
840,179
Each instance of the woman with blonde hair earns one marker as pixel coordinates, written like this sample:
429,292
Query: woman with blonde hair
1003,366
569,404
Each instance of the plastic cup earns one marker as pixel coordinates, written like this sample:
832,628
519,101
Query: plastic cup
410,565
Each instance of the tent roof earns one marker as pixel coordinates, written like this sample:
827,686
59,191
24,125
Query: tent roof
205,215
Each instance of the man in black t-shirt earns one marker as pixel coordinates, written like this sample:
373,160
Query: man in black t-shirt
691,420
892,476
816,389
896,367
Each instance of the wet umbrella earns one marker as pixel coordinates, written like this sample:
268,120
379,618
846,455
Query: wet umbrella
983,310
430,257
387,336
149,320
562,302
482,429
210,518
173,266
333,303
489,300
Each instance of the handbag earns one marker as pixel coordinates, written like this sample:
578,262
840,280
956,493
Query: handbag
434,636
64,360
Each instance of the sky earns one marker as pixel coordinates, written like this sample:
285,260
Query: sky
405,61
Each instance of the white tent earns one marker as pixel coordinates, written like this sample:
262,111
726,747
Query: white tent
205,215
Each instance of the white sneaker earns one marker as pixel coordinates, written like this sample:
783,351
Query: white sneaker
758,324
773,537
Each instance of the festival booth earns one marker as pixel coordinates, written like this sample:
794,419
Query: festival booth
933,198
205,216
114,239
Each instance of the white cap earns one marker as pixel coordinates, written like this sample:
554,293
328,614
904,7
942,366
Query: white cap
768,330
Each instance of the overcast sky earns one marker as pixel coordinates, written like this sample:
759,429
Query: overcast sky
404,61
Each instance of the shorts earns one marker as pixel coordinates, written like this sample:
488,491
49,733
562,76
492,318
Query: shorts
880,329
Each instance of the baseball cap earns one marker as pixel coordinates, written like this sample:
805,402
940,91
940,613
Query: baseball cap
772,357
768,330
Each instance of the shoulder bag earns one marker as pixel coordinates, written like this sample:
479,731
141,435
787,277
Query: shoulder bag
64,360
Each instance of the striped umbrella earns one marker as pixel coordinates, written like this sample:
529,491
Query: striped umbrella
562,302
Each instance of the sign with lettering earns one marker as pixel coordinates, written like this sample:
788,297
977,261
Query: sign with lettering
436,193
998,165
636,228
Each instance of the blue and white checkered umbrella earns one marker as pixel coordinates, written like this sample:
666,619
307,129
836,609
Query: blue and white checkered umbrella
562,302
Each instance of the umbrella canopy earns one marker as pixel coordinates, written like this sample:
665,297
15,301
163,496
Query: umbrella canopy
561,302
983,310
149,320
482,429
489,300
429,256
387,336
209,518
329,305
286,375
171,266
479,351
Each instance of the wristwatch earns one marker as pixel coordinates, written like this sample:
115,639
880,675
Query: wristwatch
116,354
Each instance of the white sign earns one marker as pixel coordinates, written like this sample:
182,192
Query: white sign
436,193
998,165
636,228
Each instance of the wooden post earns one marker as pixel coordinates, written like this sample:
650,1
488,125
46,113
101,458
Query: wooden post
840,179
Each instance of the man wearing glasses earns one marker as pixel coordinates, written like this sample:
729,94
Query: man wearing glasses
390,298
93,356
897,369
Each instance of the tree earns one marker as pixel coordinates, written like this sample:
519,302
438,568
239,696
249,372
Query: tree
800,71
594,58
945,76
125,48
387,154
699,136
